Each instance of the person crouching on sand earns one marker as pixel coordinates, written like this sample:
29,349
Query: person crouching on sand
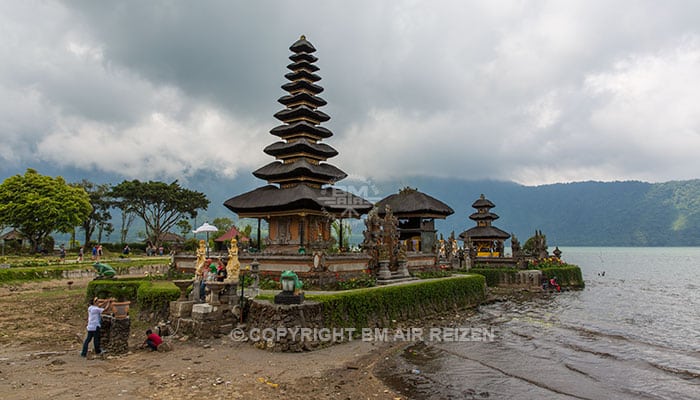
152,341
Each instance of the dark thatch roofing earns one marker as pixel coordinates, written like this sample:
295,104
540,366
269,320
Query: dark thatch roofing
302,97
300,168
302,74
300,146
303,57
270,198
302,85
171,237
12,235
484,232
412,202
483,202
302,46
303,64
483,216
300,127
302,112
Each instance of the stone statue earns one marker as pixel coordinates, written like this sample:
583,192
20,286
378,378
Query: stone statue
390,236
201,260
233,267
442,251
452,247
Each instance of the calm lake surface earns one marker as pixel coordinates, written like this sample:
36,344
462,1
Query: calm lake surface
633,333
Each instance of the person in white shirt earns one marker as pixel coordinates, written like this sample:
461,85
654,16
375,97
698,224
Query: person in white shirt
93,326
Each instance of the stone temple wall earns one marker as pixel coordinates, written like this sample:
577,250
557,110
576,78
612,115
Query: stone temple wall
266,318
114,335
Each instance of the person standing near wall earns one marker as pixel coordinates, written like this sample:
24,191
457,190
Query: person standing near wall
93,326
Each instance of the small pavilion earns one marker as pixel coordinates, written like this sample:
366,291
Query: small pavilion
484,240
299,203
416,213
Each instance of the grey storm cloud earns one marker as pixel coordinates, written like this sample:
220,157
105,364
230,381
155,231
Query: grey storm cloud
535,92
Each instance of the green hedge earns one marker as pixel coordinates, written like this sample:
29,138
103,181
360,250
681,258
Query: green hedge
150,297
32,274
493,275
121,290
35,273
378,306
156,297
567,276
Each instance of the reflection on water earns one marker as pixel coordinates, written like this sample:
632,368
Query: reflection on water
633,333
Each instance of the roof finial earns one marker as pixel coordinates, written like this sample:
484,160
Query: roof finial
303,37
482,196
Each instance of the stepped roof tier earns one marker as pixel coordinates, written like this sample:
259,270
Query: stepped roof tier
412,203
484,216
302,98
305,65
299,147
483,202
302,113
301,129
300,168
299,171
272,200
484,232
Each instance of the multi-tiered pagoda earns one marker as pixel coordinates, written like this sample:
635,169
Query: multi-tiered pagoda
298,203
484,239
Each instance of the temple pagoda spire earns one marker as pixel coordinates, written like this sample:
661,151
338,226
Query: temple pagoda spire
300,157
299,202
485,240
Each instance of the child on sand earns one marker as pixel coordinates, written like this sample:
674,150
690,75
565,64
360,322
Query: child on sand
152,341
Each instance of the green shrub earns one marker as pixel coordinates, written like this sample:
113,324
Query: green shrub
432,274
367,307
363,281
120,289
155,296
495,275
264,282
567,276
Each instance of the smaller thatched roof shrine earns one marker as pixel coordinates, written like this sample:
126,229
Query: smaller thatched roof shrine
416,212
409,202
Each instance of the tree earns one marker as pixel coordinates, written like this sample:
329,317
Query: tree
100,216
127,218
159,204
223,223
247,230
37,205
347,232
185,227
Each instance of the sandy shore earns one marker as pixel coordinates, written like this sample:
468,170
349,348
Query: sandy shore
216,369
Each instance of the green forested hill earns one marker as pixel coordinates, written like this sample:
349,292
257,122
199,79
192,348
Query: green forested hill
580,214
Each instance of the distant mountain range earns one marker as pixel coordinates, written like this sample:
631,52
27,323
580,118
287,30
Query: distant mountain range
628,213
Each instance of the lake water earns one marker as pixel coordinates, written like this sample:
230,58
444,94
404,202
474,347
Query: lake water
633,333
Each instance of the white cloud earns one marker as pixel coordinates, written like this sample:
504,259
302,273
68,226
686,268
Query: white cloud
535,92
158,147
648,107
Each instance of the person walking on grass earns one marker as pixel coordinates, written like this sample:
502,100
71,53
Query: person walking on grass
93,326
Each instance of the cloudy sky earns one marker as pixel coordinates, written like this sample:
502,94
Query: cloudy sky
530,91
